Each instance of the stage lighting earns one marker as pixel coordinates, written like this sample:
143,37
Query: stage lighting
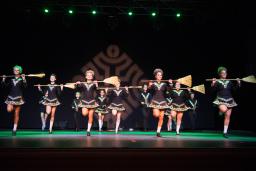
130,13
153,14
70,11
46,10
94,12
178,15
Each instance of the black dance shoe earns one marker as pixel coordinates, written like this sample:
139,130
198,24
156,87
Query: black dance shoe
50,132
158,134
225,135
88,134
13,133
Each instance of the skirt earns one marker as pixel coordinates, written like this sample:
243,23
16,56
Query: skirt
88,104
230,102
101,110
158,105
118,107
51,102
17,101
179,107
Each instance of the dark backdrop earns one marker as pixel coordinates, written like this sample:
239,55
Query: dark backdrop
218,34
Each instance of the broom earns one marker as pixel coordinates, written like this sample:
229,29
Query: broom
249,79
40,75
199,88
187,80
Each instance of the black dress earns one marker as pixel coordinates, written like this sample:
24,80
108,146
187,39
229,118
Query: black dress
75,104
169,102
52,98
179,99
87,95
145,98
102,108
15,97
158,91
42,107
224,96
117,97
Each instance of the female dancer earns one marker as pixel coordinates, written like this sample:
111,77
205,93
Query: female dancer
224,100
192,104
117,96
15,97
158,102
178,105
43,113
51,101
75,104
101,110
88,102
145,98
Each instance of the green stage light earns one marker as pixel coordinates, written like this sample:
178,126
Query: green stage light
46,10
94,12
153,14
130,13
178,15
70,12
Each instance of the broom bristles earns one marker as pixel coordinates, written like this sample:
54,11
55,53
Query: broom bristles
250,79
187,80
72,86
112,80
199,88
40,75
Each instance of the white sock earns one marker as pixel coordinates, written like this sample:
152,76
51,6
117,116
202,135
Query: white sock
15,127
89,127
169,127
158,129
225,129
51,125
100,124
178,129
117,124
43,120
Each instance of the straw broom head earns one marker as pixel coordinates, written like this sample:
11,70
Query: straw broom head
114,80
40,75
199,88
187,80
249,79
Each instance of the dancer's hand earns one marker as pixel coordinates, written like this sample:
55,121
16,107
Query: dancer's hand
213,81
4,77
61,87
23,77
238,80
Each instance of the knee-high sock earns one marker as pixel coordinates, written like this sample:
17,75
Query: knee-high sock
15,127
51,125
178,128
169,125
225,129
117,124
43,120
89,127
100,124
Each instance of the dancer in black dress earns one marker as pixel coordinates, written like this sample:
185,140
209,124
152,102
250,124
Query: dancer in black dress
178,104
101,110
15,96
158,102
43,113
145,98
224,99
75,106
117,96
52,100
192,104
88,102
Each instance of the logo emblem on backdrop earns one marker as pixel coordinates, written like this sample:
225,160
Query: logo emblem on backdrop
115,62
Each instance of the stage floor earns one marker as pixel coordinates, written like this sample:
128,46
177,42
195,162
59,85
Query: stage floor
126,139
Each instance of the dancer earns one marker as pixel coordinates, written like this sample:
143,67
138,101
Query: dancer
178,104
43,113
224,99
88,102
15,100
192,104
76,113
158,102
117,95
145,98
101,110
52,100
